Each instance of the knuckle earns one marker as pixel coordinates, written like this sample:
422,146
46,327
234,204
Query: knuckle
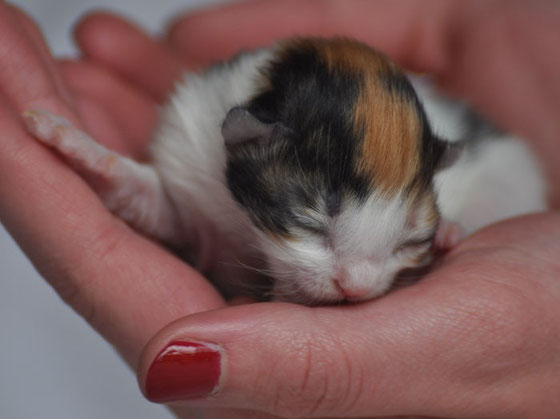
321,379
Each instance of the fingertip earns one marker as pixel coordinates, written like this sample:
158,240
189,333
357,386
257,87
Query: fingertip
93,31
105,37
212,358
188,35
174,366
128,50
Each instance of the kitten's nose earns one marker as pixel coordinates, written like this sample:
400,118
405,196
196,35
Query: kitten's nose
349,289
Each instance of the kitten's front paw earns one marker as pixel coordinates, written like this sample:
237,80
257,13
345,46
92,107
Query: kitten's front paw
448,235
78,148
46,127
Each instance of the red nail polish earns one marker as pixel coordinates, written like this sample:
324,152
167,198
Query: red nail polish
184,371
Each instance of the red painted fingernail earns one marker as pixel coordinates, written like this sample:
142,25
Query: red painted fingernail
184,371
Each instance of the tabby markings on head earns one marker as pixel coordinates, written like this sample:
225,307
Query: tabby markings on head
351,126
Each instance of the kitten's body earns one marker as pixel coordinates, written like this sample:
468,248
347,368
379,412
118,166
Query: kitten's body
219,232
325,231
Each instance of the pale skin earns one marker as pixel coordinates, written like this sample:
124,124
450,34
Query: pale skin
478,337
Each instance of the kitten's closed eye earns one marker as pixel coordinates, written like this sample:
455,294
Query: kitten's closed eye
414,244
314,229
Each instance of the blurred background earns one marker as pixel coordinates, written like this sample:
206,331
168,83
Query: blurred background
52,364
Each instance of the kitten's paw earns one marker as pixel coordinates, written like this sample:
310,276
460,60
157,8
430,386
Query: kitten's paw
130,190
448,235
43,125
78,148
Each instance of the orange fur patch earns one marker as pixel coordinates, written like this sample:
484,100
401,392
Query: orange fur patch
389,122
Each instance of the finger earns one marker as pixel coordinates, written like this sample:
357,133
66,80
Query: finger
502,63
237,301
128,50
407,30
37,41
283,360
103,126
188,413
27,81
132,111
126,286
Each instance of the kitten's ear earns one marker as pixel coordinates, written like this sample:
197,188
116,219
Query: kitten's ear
449,154
241,125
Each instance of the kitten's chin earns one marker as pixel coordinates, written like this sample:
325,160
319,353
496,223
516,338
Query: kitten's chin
307,298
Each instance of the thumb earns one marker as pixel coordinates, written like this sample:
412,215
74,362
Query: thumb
382,358
278,358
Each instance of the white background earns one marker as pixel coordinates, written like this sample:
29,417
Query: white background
52,364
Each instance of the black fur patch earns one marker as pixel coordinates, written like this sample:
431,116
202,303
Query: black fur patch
311,162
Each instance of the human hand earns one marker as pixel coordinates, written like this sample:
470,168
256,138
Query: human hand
126,286
402,325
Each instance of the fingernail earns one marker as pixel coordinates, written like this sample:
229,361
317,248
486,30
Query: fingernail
184,371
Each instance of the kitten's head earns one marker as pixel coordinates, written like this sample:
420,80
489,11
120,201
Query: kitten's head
333,161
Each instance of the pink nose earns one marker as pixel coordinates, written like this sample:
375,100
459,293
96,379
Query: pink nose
350,290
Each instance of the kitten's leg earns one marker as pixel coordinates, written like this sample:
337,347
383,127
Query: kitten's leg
130,190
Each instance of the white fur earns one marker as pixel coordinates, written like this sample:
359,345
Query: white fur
498,178
189,154
502,180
